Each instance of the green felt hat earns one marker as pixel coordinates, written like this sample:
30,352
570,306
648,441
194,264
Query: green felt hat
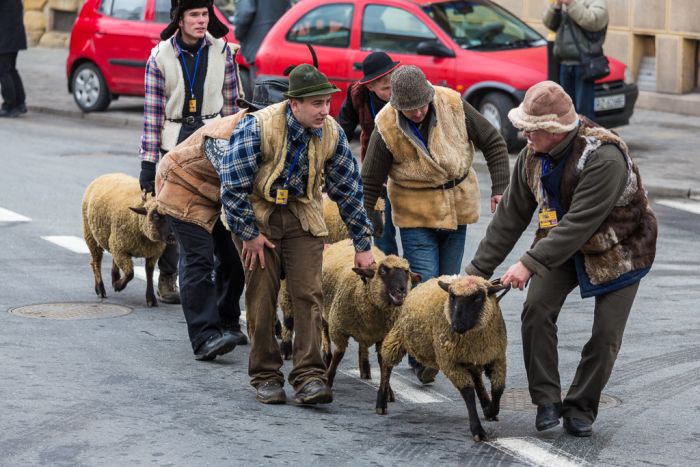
305,81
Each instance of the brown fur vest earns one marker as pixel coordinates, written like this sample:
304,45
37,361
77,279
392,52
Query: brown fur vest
626,240
415,178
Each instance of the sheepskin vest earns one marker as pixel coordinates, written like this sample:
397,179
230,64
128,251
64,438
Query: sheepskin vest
622,249
187,183
359,96
175,92
416,177
309,208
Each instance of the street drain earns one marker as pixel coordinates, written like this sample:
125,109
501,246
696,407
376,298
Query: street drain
71,310
519,400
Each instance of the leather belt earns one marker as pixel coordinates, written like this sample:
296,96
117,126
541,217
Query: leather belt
452,183
191,119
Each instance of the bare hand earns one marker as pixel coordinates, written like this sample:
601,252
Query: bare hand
254,251
516,276
364,259
495,199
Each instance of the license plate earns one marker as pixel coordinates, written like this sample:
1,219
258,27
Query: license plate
616,101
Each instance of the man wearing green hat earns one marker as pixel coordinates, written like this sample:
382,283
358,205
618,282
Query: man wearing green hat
271,181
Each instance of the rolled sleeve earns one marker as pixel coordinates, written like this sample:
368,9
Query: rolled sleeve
153,112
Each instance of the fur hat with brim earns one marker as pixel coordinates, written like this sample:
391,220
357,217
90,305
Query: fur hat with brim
215,27
266,92
547,107
306,81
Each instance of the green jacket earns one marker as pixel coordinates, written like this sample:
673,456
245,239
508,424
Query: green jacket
587,20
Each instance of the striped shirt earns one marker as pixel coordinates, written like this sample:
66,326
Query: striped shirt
154,102
342,178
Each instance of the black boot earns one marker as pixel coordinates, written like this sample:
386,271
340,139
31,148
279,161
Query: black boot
578,427
215,345
547,416
237,334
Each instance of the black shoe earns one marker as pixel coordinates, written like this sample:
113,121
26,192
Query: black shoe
237,334
578,427
314,392
10,113
271,392
548,416
21,109
215,345
426,375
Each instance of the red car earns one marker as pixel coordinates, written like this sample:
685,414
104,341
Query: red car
475,47
109,46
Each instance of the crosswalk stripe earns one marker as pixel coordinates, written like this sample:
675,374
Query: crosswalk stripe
10,216
532,451
688,206
74,244
404,391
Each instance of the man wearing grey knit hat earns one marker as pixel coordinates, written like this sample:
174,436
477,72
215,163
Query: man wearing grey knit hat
595,231
423,143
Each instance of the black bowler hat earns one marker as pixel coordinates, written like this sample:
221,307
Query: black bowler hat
376,65
267,92
178,7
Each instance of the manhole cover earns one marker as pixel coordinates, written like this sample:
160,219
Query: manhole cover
519,400
71,310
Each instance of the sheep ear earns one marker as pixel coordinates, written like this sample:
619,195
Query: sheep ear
415,278
139,210
444,286
364,273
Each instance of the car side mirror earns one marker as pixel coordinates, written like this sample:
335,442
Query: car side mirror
435,49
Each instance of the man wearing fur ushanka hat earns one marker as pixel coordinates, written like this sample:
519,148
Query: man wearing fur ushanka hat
190,79
596,231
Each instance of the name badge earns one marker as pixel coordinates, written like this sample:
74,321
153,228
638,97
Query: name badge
548,218
193,105
282,196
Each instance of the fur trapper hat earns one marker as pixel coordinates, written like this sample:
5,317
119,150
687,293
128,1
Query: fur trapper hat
178,7
547,107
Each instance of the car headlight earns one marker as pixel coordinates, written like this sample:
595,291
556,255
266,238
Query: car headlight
629,79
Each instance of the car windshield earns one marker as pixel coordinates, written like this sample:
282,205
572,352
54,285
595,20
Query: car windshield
482,25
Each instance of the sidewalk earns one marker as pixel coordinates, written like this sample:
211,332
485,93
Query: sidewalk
666,146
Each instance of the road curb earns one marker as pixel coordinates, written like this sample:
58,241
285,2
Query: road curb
114,120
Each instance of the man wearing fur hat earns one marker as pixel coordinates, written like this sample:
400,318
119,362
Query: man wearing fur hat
423,143
190,79
596,231
271,181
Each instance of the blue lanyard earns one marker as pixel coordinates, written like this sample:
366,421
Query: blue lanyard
417,132
294,164
546,166
187,72
371,107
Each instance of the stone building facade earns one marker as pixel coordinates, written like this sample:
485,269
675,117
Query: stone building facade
658,39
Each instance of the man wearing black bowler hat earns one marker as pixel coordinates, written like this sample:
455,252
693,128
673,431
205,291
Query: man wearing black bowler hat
364,100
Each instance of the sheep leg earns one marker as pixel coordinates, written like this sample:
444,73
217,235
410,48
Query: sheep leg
287,336
497,374
363,359
150,295
378,346
96,264
326,343
477,430
383,392
116,275
124,263
341,345
481,392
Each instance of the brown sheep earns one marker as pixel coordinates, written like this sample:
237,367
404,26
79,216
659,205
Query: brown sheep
116,219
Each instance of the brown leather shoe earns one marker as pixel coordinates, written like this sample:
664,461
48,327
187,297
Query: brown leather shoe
167,289
271,392
314,392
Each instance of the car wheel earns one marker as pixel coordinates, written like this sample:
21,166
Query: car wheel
495,106
90,89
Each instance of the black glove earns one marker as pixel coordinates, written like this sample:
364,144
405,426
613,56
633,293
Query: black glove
147,178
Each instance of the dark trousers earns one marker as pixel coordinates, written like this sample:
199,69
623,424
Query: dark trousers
211,280
581,91
299,255
167,263
10,82
545,297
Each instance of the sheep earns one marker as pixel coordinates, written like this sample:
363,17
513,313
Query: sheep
361,303
116,218
453,324
337,231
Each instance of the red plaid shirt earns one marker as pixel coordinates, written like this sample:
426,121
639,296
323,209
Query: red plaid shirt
154,103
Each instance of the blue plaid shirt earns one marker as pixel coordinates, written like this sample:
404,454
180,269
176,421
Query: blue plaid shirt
241,162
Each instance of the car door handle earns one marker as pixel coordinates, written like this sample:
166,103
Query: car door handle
357,66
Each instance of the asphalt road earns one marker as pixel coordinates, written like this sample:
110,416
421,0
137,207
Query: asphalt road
127,391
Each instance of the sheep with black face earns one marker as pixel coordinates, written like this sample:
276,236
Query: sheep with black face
453,324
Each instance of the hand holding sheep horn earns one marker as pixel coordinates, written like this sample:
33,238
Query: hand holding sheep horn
517,276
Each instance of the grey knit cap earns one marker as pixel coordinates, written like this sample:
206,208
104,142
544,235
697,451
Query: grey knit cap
410,89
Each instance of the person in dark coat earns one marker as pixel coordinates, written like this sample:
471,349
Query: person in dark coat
251,24
12,40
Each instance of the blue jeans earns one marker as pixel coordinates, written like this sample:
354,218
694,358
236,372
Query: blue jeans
387,242
582,92
432,253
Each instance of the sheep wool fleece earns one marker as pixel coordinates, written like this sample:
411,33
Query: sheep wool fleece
416,177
